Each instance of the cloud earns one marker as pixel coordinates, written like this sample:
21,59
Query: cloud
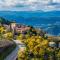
29,5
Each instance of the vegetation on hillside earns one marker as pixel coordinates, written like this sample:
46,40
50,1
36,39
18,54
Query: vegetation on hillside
4,21
36,43
37,47
6,37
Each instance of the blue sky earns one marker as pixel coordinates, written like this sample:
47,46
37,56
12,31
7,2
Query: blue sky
29,5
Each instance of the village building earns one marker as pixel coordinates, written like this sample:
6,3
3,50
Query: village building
52,44
13,25
7,27
54,41
21,28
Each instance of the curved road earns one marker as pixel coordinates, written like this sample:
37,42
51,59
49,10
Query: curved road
13,54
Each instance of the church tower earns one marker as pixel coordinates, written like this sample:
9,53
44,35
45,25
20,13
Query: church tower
13,26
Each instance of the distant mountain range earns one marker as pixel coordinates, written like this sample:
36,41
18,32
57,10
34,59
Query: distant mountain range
29,13
54,30
35,18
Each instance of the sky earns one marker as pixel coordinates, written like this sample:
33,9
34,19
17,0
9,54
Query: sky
29,5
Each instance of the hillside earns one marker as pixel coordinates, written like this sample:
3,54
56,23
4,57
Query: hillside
4,21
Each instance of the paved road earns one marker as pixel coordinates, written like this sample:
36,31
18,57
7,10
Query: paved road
13,55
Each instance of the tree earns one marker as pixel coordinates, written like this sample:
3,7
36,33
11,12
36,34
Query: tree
8,36
36,45
21,37
22,55
2,30
58,55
